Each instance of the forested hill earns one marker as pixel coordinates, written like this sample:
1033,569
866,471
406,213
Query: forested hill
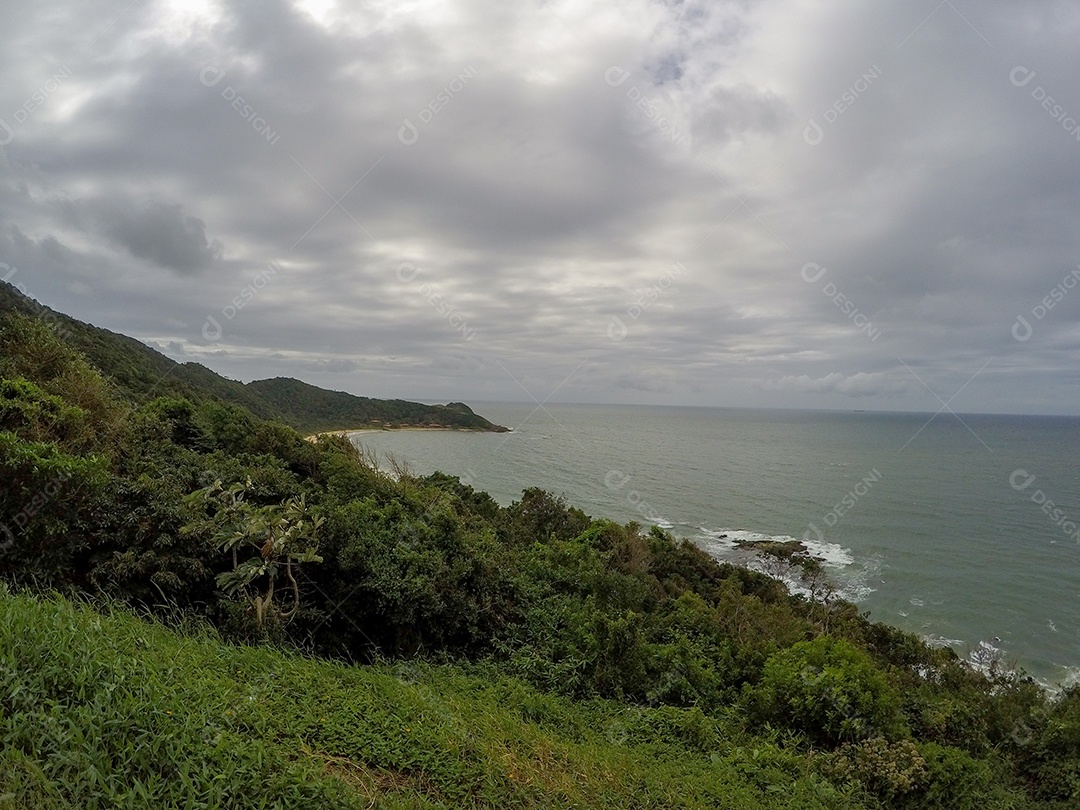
298,402
142,374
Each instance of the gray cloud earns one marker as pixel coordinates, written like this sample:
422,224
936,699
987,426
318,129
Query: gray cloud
158,232
856,385
560,160
335,366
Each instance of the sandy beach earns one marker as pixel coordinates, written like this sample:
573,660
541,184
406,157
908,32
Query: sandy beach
351,431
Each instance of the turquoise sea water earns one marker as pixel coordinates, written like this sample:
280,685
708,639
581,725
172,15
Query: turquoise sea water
963,531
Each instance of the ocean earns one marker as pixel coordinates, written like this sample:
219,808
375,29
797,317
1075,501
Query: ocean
963,529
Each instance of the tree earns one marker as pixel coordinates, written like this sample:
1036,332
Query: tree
282,535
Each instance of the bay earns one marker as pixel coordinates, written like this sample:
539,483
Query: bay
960,528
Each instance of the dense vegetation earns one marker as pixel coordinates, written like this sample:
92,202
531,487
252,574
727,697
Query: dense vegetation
300,404
471,654
142,374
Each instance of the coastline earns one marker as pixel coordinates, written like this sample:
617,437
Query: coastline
394,428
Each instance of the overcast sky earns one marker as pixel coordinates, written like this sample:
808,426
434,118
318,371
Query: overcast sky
789,203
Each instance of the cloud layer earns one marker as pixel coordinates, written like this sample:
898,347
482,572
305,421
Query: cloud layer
698,203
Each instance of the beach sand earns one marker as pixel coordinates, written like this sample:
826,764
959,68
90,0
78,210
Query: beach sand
351,431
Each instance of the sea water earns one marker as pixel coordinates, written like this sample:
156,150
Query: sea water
963,529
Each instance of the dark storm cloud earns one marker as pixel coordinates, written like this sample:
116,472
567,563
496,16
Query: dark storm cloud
612,202
161,233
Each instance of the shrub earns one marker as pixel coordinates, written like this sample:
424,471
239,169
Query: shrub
955,781
885,769
48,508
830,690
29,349
540,516
1048,750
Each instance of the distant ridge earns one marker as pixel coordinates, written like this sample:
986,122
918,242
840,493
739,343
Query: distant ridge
330,410
141,374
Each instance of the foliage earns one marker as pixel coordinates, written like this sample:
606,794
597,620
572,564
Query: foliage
49,392
142,374
886,769
540,516
48,505
283,535
829,689
608,666
1048,744
310,408
112,711
410,574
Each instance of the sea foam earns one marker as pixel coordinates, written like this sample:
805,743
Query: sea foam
728,545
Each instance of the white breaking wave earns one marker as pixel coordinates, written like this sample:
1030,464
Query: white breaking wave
724,544
986,657
831,554
940,641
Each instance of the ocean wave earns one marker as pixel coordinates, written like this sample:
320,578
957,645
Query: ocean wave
830,554
986,657
935,640
1069,678
989,658
851,579
1072,677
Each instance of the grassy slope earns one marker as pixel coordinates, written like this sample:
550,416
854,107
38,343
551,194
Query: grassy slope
142,374
112,711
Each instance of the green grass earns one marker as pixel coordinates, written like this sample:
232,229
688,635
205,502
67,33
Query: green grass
111,711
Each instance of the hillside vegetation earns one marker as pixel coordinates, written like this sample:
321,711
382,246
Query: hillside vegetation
315,409
141,374
116,711
455,652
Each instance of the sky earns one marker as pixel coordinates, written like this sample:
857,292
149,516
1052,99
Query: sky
764,204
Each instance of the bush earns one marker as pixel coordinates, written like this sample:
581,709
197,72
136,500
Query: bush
539,517
955,781
49,506
1047,747
830,690
885,769
31,351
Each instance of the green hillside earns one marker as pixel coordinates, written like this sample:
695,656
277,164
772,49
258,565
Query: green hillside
400,641
316,409
141,374
115,711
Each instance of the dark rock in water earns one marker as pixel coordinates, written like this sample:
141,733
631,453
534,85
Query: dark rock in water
722,537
